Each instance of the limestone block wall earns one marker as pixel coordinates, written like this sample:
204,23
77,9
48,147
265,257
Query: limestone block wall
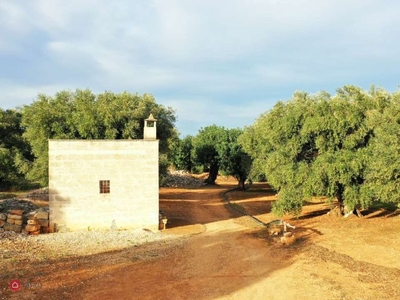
76,168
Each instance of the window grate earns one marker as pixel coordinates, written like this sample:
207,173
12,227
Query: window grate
104,186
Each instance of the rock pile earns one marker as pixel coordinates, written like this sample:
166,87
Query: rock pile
40,194
14,203
23,216
3,218
182,180
14,220
37,222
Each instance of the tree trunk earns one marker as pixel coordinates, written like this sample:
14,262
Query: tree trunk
212,174
241,182
339,197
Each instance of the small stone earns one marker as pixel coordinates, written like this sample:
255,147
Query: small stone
18,212
42,215
43,222
15,217
32,228
18,222
113,226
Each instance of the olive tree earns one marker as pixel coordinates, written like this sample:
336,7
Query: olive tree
84,115
15,152
181,154
205,149
321,145
218,148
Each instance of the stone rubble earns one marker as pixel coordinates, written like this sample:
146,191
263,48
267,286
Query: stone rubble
182,180
40,194
22,216
15,203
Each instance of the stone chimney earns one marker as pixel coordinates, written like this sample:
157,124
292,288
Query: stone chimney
150,128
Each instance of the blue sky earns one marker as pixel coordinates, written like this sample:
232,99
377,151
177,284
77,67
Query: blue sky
220,62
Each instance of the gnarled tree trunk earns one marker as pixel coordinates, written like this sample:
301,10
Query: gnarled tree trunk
241,182
212,174
340,199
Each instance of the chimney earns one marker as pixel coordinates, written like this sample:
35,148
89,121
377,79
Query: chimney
150,128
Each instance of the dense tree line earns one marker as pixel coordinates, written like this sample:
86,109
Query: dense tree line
15,151
75,115
214,149
181,154
343,147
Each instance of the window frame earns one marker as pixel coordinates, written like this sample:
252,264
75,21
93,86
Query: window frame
104,186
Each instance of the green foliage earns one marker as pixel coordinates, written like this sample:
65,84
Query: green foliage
182,154
383,168
206,143
217,148
163,165
205,148
344,147
233,160
15,157
84,115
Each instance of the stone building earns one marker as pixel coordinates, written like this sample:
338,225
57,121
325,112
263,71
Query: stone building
104,184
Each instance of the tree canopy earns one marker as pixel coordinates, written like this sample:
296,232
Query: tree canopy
84,115
15,156
217,148
342,147
181,154
233,160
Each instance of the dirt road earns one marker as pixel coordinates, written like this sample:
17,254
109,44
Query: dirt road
220,260
222,255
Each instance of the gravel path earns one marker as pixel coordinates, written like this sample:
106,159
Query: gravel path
21,247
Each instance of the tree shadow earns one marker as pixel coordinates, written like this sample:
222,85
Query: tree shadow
312,203
313,214
179,222
207,266
371,213
180,269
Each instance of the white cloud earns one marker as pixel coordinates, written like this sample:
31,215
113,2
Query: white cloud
211,55
15,95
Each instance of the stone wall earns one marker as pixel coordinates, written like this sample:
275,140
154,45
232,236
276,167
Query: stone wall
75,171
31,222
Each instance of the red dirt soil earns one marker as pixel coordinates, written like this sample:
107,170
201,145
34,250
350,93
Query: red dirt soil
224,255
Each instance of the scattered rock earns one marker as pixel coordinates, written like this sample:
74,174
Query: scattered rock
288,238
16,204
40,194
182,180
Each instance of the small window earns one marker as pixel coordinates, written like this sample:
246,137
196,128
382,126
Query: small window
104,186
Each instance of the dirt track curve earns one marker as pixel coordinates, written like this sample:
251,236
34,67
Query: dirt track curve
218,254
218,260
